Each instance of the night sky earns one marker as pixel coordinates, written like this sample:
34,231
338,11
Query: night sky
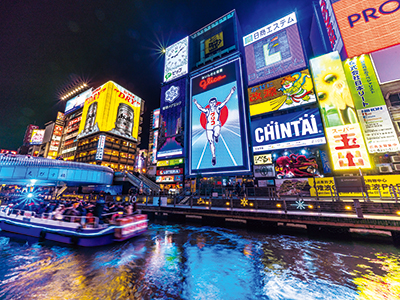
47,46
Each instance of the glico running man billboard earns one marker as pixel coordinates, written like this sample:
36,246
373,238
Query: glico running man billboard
299,129
274,50
345,139
372,111
295,89
170,138
111,108
218,139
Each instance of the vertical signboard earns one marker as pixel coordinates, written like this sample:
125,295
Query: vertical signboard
368,25
345,140
176,60
377,126
154,149
37,136
111,108
331,25
295,89
170,137
156,119
218,140
274,50
214,41
100,147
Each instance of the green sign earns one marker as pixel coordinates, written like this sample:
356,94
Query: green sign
364,86
174,162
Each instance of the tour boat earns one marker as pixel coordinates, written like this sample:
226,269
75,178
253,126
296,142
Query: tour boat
72,230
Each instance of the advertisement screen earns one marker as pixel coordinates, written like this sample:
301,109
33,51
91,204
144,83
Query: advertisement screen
372,111
156,119
213,41
345,140
111,108
285,92
154,149
368,25
297,163
291,130
218,134
170,137
387,64
176,60
274,50
77,102
37,137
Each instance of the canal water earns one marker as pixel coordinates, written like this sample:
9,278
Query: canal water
197,262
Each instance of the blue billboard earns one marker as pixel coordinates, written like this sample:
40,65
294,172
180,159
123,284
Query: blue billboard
298,129
218,141
170,138
77,102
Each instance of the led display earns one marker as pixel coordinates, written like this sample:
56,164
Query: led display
156,118
368,25
292,130
170,137
214,41
111,108
274,50
372,111
37,136
293,90
77,102
28,133
176,60
218,132
345,140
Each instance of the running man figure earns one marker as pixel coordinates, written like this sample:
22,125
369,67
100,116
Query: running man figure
213,127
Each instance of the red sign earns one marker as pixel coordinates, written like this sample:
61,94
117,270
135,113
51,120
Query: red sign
170,172
206,82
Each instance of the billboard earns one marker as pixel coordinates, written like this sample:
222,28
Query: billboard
77,102
28,133
170,137
285,92
111,108
387,64
100,147
298,129
263,171
368,25
331,25
214,41
37,137
345,140
176,60
218,132
372,111
274,50
154,147
156,119
170,162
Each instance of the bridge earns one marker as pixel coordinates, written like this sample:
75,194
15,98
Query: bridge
24,169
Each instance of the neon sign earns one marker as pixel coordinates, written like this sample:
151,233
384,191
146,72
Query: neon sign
210,80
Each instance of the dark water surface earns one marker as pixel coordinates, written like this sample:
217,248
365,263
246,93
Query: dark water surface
194,262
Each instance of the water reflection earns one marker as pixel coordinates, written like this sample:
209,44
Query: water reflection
189,262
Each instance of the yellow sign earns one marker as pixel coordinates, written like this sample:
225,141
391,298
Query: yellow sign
376,185
215,42
346,143
111,108
162,163
265,159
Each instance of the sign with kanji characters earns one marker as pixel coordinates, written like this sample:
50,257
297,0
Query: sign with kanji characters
346,142
274,50
286,92
376,186
372,111
347,147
